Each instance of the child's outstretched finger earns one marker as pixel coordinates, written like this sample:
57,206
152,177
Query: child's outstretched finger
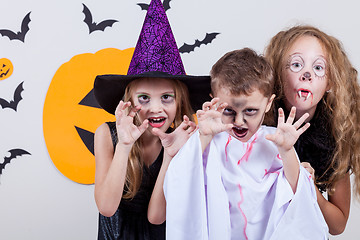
292,114
221,107
214,101
270,137
143,126
191,127
159,133
303,129
208,105
301,120
134,110
119,107
200,113
281,118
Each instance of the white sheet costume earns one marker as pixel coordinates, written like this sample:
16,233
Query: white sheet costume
238,190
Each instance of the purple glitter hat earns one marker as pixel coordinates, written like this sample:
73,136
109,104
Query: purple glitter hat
156,48
156,56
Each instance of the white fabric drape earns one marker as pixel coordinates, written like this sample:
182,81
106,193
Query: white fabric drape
238,190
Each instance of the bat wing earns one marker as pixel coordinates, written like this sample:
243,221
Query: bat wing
4,103
186,48
17,95
143,6
209,37
8,33
107,23
13,154
88,18
166,4
24,27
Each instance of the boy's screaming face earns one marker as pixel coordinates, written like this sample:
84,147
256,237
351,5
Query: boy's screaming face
245,112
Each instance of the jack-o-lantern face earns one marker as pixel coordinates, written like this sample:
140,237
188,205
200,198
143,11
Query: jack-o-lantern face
71,114
6,68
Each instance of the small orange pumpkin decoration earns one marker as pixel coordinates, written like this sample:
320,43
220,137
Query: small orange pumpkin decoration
6,68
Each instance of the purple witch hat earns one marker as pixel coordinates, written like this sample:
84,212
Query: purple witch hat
156,56
156,48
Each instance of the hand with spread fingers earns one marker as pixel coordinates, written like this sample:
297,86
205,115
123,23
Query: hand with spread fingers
209,118
288,132
127,131
172,142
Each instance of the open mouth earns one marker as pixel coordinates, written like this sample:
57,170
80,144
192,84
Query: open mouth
240,132
304,94
157,122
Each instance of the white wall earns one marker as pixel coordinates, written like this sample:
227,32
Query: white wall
36,200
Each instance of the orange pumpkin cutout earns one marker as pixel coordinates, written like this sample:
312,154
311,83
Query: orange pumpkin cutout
66,118
6,68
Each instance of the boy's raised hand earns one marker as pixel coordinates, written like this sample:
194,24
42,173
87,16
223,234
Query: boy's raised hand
127,131
209,118
172,142
287,132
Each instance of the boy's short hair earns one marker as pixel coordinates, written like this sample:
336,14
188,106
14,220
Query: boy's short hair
242,72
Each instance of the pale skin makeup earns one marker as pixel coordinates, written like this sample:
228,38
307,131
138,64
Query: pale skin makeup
155,106
304,76
305,83
242,115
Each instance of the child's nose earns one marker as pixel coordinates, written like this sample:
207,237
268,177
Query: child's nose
239,120
156,106
306,76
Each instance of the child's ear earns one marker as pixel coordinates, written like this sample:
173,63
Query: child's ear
268,106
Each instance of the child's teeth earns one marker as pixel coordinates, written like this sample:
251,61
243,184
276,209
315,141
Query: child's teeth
307,97
299,93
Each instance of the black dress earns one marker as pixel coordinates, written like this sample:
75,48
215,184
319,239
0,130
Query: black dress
316,145
130,219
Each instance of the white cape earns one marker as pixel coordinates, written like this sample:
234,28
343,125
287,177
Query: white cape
238,190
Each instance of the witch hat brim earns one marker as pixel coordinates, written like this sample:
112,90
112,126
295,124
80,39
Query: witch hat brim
156,55
110,89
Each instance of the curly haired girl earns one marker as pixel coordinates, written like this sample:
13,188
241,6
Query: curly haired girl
313,73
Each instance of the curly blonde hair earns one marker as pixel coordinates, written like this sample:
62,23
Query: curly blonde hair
342,102
134,171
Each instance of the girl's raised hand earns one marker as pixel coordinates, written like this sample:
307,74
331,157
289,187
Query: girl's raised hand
287,133
172,142
127,131
209,118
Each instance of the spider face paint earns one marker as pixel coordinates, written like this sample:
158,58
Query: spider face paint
304,76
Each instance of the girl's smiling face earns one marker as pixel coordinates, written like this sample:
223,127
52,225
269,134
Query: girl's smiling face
157,99
245,112
304,75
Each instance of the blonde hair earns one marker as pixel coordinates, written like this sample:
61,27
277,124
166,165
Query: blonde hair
342,103
134,171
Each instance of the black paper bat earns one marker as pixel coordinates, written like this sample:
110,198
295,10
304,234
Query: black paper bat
17,98
19,35
13,154
93,26
166,4
186,48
